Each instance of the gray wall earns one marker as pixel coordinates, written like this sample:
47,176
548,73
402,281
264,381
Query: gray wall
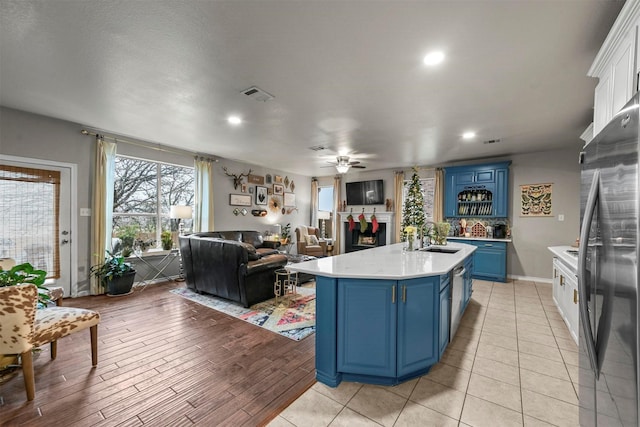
528,255
30,135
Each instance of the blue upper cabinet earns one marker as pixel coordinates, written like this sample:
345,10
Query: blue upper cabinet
477,190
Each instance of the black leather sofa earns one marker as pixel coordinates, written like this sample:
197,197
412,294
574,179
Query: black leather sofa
236,265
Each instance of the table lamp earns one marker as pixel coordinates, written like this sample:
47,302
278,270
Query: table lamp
323,215
180,212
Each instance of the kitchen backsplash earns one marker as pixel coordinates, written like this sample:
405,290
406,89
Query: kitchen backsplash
488,225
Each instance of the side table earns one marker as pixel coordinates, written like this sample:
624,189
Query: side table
156,270
286,282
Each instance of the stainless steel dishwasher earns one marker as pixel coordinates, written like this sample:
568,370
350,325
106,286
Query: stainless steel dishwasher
457,287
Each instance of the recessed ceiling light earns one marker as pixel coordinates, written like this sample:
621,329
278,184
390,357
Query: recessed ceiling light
234,120
433,58
468,135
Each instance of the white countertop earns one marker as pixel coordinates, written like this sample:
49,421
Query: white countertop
486,239
561,252
386,262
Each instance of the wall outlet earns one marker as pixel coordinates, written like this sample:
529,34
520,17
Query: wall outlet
561,217
85,212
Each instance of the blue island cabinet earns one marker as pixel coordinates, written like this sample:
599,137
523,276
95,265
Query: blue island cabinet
385,331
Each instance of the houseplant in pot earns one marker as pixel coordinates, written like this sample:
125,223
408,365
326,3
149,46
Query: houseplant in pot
115,274
167,240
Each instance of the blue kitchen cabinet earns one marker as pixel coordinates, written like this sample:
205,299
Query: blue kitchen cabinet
387,329
445,313
367,327
477,191
489,260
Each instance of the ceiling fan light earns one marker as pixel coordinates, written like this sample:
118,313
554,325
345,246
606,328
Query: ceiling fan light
342,168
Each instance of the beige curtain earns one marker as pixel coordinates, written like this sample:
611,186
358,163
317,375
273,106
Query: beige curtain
398,187
101,220
438,196
314,202
337,207
203,220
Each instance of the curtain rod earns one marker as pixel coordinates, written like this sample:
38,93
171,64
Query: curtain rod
150,145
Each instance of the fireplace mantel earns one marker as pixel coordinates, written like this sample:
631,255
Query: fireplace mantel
381,217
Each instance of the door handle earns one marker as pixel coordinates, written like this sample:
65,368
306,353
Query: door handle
561,280
393,294
404,293
590,208
64,232
64,242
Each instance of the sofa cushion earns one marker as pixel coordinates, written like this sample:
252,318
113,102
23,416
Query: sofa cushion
266,263
252,237
311,240
267,251
251,251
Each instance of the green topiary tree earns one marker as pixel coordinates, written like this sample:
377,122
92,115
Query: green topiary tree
413,209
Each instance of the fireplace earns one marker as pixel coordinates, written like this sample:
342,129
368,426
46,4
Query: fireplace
355,240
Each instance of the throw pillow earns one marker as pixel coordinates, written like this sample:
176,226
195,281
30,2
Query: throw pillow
311,240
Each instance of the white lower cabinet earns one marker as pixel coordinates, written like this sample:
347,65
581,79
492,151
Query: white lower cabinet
565,295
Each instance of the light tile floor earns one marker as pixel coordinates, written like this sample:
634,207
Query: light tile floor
511,363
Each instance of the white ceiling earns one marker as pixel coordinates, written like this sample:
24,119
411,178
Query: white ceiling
345,74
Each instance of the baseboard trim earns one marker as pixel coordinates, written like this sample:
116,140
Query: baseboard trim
531,279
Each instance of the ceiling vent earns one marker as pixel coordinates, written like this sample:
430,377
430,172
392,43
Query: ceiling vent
491,141
317,148
258,94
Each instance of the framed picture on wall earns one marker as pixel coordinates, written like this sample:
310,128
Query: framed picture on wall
240,199
261,195
278,189
289,200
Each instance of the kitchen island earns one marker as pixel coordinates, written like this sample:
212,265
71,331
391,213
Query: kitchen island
383,314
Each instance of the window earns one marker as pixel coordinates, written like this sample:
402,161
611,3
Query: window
428,193
144,192
325,211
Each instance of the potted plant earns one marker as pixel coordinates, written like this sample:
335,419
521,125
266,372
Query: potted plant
115,274
285,234
167,240
25,273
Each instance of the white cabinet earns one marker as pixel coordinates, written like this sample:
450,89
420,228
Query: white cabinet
565,295
616,66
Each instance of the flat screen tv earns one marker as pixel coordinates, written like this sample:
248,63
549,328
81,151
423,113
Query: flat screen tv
365,192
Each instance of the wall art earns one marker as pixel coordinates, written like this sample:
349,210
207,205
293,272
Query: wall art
289,200
261,195
535,200
278,189
255,179
240,199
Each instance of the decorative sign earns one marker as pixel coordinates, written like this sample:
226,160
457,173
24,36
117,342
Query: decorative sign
289,199
256,179
536,200
240,199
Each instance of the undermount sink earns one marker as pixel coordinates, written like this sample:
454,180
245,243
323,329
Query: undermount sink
439,249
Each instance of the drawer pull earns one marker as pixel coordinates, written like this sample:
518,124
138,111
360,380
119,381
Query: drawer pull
561,280
575,296
555,273
488,245
393,294
404,293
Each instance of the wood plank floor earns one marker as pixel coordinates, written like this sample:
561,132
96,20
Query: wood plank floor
163,360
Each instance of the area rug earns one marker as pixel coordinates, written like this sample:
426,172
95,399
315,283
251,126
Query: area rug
294,316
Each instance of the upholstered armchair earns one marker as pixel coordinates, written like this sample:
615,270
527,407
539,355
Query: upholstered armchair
24,327
309,242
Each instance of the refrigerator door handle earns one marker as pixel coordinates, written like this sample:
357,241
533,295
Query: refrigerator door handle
592,202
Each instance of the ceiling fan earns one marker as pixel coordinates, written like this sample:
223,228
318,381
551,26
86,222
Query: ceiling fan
343,164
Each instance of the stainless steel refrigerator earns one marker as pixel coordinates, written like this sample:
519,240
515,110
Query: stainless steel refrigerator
608,273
